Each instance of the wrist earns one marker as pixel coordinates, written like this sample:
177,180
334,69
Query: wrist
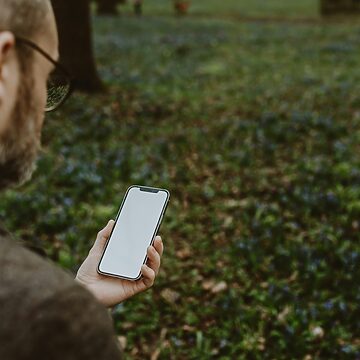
85,285
79,281
94,293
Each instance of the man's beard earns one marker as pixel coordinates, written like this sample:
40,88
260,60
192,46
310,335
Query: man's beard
20,143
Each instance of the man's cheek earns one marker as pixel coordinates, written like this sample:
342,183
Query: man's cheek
40,88
39,104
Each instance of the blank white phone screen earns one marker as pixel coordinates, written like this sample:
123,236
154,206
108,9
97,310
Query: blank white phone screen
133,233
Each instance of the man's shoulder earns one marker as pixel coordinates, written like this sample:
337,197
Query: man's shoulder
29,280
38,299
22,270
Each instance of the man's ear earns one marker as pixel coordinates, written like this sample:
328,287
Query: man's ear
7,43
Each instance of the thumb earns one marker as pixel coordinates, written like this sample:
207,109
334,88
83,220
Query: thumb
103,235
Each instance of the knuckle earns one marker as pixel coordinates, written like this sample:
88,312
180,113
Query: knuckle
153,275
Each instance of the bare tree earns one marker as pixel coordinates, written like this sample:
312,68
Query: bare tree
76,51
107,7
333,7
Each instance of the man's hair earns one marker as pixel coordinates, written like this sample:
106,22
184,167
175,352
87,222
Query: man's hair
25,18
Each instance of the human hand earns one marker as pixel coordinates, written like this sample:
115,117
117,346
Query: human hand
109,290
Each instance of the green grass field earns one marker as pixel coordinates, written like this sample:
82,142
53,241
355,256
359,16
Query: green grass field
225,8
254,127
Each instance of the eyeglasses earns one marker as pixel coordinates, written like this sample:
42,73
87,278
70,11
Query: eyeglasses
59,83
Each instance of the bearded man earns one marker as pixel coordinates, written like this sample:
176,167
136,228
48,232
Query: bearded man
44,313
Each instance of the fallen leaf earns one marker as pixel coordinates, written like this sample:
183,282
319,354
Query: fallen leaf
221,286
282,316
184,253
122,341
188,328
318,332
171,296
208,284
163,334
127,325
155,354
261,345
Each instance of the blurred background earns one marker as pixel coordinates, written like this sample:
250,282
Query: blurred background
248,111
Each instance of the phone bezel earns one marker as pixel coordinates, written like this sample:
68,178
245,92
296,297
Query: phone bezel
142,188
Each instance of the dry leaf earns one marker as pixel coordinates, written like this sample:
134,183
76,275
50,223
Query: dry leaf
171,296
282,316
157,351
261,345
208,284
183,253
127,325
122,341
188,328
318,332
293,276
221,286
155,354
163,334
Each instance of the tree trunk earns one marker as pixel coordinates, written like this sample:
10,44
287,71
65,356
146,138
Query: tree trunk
138,7
335,7
76,51
107,7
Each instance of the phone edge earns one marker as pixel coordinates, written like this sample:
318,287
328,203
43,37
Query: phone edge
153,238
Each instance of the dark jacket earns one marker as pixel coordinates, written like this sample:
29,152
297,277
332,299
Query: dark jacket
44,314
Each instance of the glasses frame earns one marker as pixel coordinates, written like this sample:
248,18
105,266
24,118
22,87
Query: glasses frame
56,64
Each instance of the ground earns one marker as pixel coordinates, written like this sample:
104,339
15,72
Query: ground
254,127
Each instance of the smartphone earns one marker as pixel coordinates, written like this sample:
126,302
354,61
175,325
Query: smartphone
136,226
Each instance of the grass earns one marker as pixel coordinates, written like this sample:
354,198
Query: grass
255,130
245,8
